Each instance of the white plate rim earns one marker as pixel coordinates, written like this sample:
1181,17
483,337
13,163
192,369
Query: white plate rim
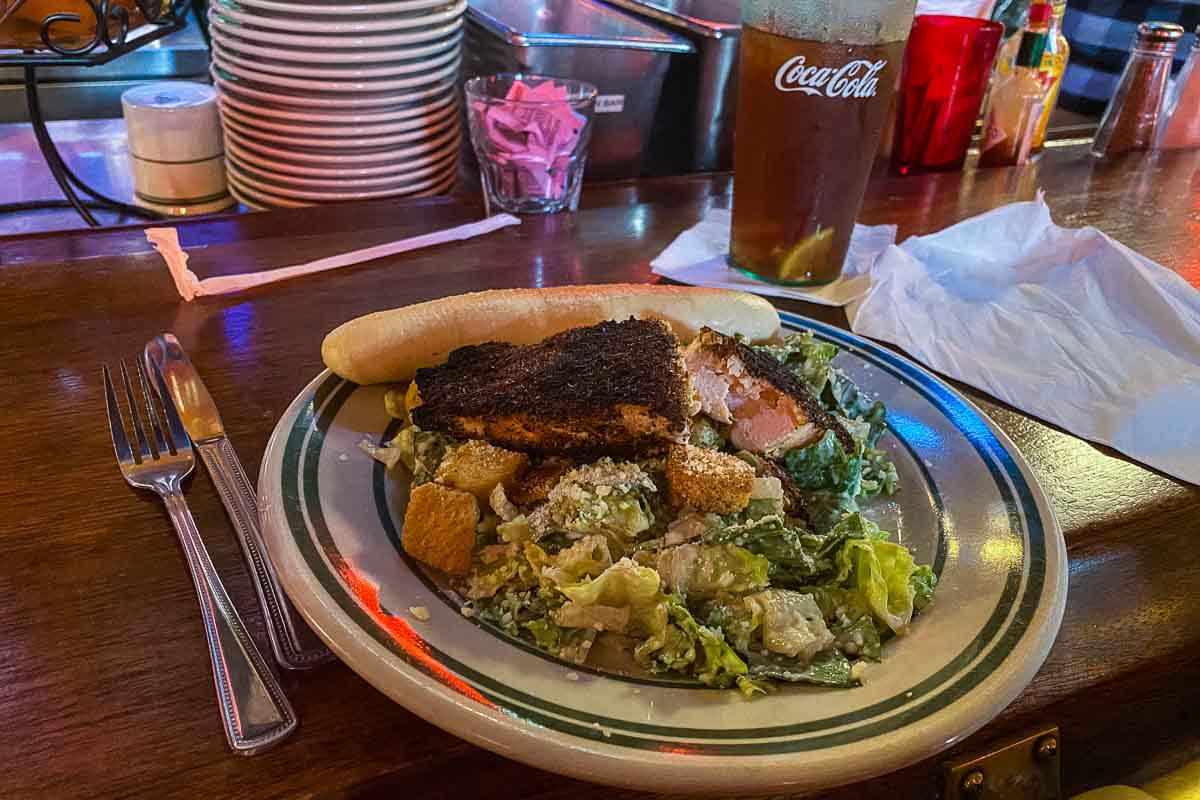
286,181
240,86
346,8
451,142
367,41
349,56
358,71
229,94
371,24
265,200
366,86
423,166
596,757
414,189
427,140
332,136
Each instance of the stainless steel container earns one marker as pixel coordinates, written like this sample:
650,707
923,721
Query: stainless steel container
693,130
624,57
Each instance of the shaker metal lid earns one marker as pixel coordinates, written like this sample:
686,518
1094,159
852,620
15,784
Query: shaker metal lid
1153,32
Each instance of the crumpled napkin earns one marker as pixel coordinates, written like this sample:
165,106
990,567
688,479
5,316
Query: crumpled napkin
190,286
1065,324
697,256
957,8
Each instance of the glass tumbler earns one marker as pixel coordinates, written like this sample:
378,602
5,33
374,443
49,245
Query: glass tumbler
945,75
815,82
530,134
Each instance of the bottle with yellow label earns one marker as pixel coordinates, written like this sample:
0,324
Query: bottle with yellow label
1054,65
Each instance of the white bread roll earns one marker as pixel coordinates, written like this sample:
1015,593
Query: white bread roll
389,346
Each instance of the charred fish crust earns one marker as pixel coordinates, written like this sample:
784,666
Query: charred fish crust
762,366
610,385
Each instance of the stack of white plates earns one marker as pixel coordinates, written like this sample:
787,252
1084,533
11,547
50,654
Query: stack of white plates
334,100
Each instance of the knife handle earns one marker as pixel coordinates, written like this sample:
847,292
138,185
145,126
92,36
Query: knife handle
294,644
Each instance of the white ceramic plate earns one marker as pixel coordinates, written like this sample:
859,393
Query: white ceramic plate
271,197
413,128
415,113
968,504
419,167
349,8
316,23
368,42
256,174
396,146
232,53
248,199
305,100
422,152
371,85
228,37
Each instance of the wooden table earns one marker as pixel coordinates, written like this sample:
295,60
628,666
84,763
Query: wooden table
104,682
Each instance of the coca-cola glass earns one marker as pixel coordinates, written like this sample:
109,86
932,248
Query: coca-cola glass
816,80
947,65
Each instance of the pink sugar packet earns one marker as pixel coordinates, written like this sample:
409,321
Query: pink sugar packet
533,138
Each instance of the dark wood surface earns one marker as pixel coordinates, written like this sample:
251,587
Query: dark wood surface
105,688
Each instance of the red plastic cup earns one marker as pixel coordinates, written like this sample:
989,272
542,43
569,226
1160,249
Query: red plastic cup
945,75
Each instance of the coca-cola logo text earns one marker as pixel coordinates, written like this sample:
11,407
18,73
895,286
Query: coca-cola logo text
857,79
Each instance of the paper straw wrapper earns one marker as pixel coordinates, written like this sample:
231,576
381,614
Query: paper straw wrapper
166,241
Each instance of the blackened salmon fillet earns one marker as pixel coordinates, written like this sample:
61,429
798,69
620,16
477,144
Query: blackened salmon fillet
615,385
770,409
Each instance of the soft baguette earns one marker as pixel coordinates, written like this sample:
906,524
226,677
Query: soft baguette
389,346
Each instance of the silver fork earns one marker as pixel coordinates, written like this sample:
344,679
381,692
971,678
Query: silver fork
254,710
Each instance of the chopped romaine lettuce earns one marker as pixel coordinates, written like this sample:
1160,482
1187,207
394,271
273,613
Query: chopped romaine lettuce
606,498
791,623
705,433
923,584
701,571
420,451
882,572
829,668
586,558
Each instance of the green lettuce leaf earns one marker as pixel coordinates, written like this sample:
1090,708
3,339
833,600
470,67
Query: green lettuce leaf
830,668
881,571
705,433
794,554
825,466
701,571
672,640
923,584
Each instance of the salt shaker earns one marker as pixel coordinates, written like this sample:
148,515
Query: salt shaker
1131,120
175,148
1180,128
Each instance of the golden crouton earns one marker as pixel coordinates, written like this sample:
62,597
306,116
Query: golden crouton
439,527
706,480
535,486
477,467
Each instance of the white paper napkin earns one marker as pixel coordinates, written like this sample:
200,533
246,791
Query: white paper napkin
957,8
697,257
190,286
1065,324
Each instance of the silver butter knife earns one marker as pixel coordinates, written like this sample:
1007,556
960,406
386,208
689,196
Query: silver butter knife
294,644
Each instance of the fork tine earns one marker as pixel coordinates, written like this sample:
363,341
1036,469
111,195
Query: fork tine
179,436
116,425
160,443
137,418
